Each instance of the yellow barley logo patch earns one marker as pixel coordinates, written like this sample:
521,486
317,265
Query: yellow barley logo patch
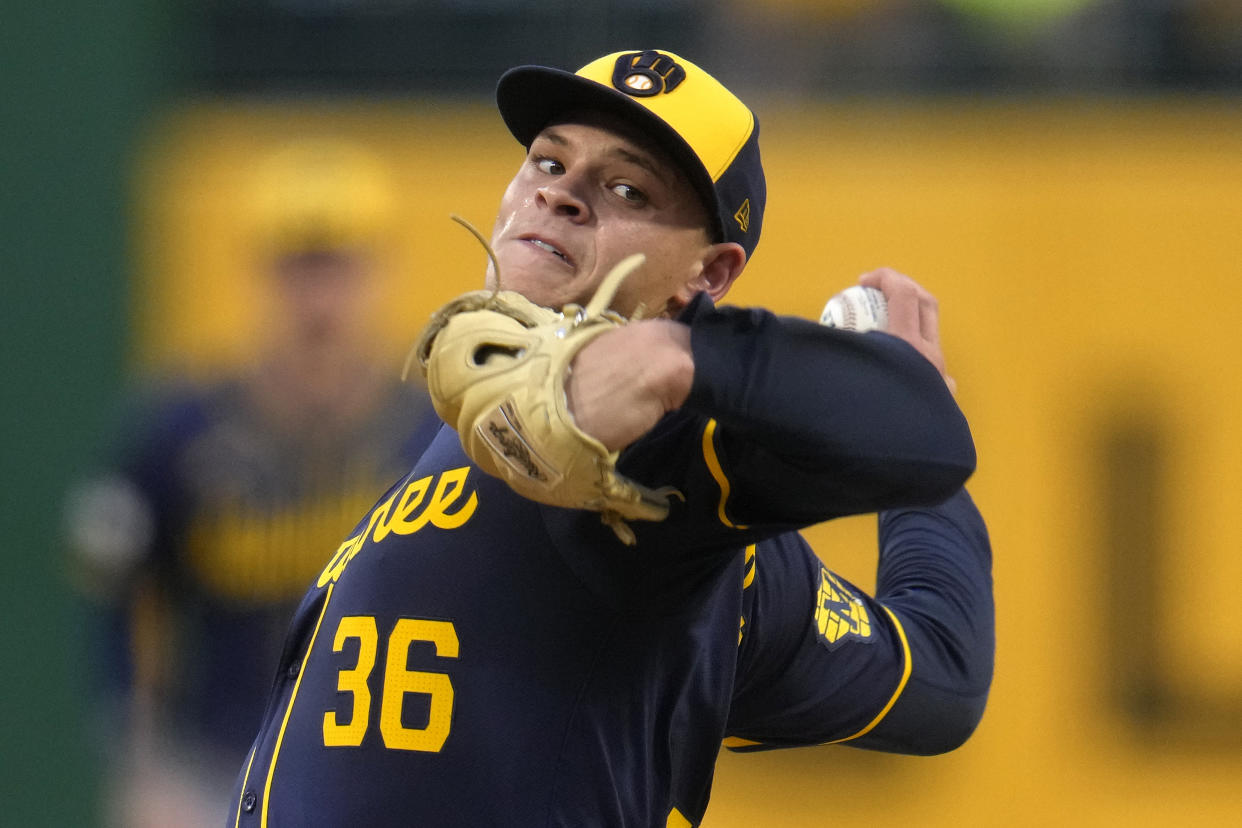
840,615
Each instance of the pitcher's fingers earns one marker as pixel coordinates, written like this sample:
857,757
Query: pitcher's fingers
901,295
929,316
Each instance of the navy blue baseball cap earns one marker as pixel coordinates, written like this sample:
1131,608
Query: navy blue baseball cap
704,127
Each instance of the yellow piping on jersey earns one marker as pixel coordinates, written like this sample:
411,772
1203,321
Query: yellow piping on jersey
736,742
747,580
713,465
901,685
280,737
245,780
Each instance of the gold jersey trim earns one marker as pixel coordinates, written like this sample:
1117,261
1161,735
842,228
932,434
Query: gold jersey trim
245,780
284,723
737,742
713,465
907,669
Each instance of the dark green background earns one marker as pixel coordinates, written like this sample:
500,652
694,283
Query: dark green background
81,79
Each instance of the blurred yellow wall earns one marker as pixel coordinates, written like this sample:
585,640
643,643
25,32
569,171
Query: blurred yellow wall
1087,260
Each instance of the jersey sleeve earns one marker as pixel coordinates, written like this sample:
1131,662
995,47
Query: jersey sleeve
812,423
906,670
935,574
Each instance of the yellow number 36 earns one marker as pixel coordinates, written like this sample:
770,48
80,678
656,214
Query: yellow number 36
399,681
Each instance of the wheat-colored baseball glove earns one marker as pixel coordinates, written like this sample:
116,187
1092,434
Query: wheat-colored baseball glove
496,364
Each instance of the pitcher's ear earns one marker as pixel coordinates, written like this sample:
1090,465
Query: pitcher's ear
722,263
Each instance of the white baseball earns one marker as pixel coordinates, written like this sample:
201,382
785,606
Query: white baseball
856,308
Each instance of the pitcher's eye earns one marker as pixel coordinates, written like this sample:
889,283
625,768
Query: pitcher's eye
549,166
630,193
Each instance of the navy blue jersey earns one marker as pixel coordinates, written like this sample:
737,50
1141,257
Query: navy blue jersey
217,511
468,657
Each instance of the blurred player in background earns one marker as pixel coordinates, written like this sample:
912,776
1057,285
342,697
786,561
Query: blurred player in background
221,499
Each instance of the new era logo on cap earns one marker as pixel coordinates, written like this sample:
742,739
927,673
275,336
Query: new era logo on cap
742,216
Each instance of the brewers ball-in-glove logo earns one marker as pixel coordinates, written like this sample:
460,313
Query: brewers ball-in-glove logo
643,74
